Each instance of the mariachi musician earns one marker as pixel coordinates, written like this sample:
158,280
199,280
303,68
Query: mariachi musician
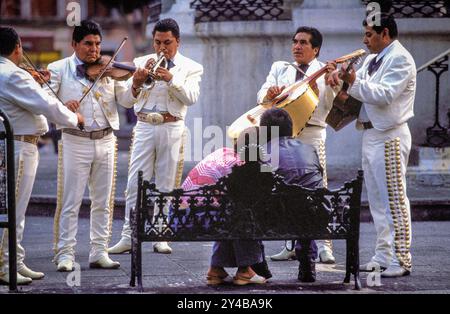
385,85
88,156
158,141
27,105
306,45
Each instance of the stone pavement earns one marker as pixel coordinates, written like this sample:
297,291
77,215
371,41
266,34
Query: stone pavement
184,270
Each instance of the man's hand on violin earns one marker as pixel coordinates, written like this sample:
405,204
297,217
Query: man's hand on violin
73,105
41,77
274,91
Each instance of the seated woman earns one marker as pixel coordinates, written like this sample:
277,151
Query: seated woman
243,254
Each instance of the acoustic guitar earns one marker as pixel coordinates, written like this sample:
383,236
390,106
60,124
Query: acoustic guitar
298,99
345,108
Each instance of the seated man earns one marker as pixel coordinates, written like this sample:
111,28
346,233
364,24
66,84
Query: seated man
299,164
247,255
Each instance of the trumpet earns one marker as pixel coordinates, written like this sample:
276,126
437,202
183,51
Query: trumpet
152,76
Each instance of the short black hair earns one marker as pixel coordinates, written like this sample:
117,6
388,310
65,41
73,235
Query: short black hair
167,25
278,118
87,27
386,21
8,39
248,144
316,36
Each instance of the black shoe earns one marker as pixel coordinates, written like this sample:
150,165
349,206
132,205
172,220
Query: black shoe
262,269
307,273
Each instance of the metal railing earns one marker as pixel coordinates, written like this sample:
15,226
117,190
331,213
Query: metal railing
238,10
7,195
418,8
437,135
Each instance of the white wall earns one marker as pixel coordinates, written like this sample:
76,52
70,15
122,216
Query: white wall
237,57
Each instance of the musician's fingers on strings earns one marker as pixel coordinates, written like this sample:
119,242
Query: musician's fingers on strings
331,66
333,78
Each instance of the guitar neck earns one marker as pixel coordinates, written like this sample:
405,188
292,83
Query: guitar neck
313,77
316,75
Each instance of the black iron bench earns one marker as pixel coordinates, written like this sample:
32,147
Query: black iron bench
247,204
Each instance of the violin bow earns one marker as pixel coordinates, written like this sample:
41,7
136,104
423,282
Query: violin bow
80,125
104,70
40,75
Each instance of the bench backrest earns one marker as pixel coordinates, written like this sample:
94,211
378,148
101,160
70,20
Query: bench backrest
247,204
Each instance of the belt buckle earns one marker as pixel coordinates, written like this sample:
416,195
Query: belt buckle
96,135
155,118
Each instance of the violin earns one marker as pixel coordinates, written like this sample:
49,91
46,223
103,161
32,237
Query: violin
39,75
120,71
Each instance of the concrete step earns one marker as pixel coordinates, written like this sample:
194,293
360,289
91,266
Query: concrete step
422,210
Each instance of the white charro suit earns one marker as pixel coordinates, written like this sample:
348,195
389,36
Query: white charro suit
26,104
158,149
83,160
388,99
282,74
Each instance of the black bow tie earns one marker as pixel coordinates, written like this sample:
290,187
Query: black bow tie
374,65
81,70
170,64
299,75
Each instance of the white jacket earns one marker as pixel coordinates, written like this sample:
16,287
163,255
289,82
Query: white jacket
26,103
183,89
283,74
388,95
108,92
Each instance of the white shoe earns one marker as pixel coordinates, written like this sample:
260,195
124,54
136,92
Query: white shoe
162,247
26,272
105,262
395,271
371,266
284,255
123,246
326,257
66,265
21,280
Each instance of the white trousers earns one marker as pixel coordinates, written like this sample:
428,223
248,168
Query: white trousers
84,161
316,136
156,152
26,159
384,159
